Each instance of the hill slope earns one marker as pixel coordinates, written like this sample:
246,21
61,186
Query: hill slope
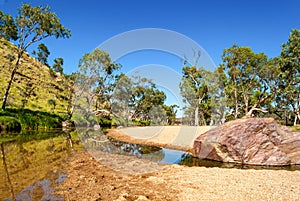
33,86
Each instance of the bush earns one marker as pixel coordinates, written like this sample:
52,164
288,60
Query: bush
295,128
118,122
9,124
145,123
30,119
79,120
105,123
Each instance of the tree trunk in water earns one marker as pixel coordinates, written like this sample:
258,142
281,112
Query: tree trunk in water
13,198
197,116
12,75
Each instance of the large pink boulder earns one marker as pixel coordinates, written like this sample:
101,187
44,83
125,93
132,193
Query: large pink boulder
253,141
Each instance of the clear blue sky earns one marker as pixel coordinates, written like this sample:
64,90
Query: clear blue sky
215,25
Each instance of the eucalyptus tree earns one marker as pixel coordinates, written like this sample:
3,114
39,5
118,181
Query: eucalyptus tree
171,112
95,82
194,90
139,98
42,54
145,97
33,25
290,74
122,99
58,65
252,80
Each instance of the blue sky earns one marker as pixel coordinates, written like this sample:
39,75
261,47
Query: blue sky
215,25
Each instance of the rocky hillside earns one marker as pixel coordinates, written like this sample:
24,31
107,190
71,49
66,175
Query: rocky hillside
33,87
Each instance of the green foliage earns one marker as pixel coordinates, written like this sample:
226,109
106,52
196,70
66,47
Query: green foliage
105,123
79,120
295,128
9,124
52,103
32,120
52,73
8,28
37,23
95,82
145,123
42,54
119,122
194,90
138,98
289,63
58,65
252,80
171,113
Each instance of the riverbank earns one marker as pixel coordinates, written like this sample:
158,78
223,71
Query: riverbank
26,119
174,137
89,179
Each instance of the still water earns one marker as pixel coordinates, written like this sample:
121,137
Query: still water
31,162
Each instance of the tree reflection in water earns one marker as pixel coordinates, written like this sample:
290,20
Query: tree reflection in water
100,142
3,157
30,164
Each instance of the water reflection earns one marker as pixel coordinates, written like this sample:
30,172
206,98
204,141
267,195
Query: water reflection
31,164
189,160
100,142
3,157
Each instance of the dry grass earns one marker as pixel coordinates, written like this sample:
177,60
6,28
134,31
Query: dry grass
32,79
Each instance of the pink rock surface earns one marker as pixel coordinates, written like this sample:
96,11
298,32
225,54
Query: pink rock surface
253,141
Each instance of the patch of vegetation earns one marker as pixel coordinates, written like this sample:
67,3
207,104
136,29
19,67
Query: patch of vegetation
8,124
32,120
123,122
295,128
105,123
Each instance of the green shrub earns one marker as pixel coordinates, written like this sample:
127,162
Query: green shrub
295,128
105,123
79,120
145,123
118,122
30,119
9,124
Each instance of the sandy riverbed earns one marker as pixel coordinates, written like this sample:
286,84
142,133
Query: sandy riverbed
174,137
113,177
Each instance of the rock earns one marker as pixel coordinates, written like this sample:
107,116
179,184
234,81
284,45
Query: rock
253,141
122,197
142,198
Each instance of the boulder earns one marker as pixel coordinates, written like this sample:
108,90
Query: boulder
252,141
